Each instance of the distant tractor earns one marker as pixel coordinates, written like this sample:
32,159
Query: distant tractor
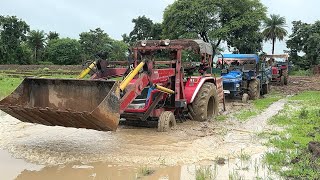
280,68
243,76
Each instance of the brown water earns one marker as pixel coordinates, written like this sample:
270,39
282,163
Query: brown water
42,152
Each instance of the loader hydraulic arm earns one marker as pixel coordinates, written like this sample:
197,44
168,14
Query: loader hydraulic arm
145,79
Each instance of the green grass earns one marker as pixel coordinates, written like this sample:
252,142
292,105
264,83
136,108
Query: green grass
221,118
258,106
300,73
7,85
145,171
245,114
244,156
204,173
261,104
301,120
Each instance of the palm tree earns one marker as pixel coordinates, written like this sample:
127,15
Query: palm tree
274,28
36,40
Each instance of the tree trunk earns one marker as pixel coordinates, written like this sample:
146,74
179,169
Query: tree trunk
35,54
273,42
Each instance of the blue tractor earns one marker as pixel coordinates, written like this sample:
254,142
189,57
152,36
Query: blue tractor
243,76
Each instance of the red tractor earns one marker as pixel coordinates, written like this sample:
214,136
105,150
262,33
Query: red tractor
155,87
279,68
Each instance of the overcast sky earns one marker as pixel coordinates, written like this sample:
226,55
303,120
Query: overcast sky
71,17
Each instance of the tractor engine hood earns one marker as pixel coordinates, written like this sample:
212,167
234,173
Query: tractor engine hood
232,75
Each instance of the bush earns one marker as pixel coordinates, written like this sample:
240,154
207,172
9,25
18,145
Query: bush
64,51
45,69
45,63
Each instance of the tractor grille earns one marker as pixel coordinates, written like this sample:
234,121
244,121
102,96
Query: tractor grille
228,86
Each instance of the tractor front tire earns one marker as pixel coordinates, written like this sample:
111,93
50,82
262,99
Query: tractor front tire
254,89
245,98
166,121
206,103
286,76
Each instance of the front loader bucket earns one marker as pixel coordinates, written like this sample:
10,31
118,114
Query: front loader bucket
91,104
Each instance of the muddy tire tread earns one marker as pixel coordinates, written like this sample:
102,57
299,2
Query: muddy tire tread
200,103
254,89
164,121
286,76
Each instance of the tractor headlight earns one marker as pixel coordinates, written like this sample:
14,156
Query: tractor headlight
166,42
143,43
237,85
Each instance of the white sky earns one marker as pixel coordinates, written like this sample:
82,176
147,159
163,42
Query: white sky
71,17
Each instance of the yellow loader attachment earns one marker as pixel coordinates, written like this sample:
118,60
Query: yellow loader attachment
91,104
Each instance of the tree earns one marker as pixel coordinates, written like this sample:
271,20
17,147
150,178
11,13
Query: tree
274,28
305,38
156,31
119,49
235,22
36,40
52,35
95,42
24,54
144,29
64,51
12,32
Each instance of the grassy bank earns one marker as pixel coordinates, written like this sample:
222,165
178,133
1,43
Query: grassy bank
9,83
301,122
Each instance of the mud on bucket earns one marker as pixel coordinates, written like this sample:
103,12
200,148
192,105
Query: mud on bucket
91,104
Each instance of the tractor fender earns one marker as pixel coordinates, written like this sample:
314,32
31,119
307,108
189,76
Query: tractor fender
193,86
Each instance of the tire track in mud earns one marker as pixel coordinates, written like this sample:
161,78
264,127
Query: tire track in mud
190,142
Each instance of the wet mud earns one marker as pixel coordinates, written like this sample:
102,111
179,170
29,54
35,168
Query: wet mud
69,153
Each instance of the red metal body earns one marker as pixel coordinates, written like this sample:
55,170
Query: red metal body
171,76
279,65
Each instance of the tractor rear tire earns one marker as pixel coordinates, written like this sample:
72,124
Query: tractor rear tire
254,89
166,121
286,76
282,80
206,103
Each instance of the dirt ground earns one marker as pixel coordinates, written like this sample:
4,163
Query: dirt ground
29,151
298,84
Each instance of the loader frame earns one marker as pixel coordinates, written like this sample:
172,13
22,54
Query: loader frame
171,78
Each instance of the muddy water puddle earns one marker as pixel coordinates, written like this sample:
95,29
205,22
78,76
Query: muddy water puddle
239,168
136,153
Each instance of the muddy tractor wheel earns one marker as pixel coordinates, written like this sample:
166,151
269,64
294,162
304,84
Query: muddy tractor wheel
286,76
282,80
265,89
206,103
166,121
245,98
254,89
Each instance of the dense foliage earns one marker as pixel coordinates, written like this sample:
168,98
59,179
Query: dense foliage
241,25
63,51
235,22
304,44
20,45
144,29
